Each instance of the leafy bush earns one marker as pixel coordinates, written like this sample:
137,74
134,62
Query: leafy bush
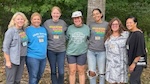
147,41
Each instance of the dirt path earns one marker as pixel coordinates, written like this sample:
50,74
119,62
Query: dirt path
46,76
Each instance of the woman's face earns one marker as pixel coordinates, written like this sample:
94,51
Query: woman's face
96,15
115,26
36,21
55,14
130,24
77,21
19,21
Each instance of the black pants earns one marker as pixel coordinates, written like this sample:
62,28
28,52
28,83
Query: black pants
135,75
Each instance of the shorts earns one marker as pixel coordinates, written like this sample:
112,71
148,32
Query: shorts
78,59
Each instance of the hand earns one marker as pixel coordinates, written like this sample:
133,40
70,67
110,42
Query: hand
132,67
8,64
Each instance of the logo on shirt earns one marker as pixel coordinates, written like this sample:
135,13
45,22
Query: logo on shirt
23,36
40,36
56,30
78,37
99,31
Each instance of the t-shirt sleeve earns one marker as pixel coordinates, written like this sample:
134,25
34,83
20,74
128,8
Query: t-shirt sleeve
65,25
28,33
140,45
67,33
45,24
88,31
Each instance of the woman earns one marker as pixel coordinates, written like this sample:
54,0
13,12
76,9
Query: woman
136,51
56,29
77,34
37,48
96,50
14,48
116,54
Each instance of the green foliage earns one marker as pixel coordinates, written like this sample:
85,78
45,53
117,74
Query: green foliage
44,6
124,8
147,41
114,8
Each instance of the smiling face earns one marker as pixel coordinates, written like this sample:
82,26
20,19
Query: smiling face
36,21
77,21
130,24
19,21
97,15
55,14
115,26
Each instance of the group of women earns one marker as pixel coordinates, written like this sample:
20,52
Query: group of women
109,47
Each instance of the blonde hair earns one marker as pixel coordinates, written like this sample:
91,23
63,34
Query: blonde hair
36,14
12,23
56,7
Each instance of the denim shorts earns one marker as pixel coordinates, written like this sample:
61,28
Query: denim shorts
78,59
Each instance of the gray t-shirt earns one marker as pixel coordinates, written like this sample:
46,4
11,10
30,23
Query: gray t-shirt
24,41
56,35
96,40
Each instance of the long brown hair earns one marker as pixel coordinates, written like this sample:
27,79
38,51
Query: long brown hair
109,30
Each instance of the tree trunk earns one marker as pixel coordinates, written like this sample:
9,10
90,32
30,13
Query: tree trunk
95,4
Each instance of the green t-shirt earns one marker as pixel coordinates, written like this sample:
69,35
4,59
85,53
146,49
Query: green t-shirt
77,39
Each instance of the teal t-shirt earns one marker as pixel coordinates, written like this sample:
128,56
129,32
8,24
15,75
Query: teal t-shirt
77,39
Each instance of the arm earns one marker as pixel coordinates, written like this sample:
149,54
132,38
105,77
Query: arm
140,50
67,33
6,46
136,60
133,65
7,58
65,29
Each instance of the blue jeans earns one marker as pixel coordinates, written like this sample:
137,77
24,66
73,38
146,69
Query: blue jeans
57,61
93,59
35,68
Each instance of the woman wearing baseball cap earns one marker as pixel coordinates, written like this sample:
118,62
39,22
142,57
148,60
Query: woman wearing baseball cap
77,34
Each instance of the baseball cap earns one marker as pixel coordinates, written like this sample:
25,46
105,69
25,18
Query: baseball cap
76,14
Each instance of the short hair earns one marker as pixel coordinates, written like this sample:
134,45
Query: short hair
36,14
12,24
56,7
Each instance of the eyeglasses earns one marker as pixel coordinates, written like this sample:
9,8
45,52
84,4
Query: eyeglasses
114,24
